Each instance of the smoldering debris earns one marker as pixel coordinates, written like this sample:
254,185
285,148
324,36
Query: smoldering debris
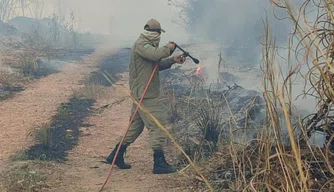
202,112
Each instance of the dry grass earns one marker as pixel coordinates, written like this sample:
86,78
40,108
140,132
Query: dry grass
10,79
23,68
29,177
42,135
5,78
268,162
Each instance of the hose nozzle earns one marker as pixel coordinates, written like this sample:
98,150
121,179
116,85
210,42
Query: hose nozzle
186,54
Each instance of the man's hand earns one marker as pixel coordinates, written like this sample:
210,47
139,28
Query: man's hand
179,59
171,45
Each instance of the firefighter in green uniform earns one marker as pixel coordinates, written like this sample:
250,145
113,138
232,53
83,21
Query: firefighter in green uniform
145,53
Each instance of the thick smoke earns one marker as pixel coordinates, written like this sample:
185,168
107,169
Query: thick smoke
237,25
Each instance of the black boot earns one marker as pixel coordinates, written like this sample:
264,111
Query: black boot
120,157
160,164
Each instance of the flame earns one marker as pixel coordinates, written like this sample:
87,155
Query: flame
198,69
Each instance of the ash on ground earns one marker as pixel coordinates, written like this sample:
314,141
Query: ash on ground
203,113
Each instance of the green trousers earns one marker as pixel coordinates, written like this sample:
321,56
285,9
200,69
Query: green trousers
158,138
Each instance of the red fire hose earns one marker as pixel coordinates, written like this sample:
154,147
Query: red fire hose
130,122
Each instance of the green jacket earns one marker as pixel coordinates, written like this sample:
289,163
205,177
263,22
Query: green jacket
144,56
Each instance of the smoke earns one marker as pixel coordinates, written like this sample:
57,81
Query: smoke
237,25
232,27
121,21
1,66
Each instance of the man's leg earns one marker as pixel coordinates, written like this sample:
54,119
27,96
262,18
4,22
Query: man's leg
158,138
135,130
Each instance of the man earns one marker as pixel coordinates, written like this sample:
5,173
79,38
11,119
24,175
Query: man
145,54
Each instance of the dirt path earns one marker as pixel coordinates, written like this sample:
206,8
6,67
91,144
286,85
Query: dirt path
38,103
83,172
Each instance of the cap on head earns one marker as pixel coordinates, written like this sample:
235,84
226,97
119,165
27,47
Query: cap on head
153,25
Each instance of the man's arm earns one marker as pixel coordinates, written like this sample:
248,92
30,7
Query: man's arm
166,63
152,53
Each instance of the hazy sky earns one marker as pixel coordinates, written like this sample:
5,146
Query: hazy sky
124,19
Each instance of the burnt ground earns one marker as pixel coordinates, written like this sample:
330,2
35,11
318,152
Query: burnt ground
113,65
9,91
64,130
76,55
46,68
52,66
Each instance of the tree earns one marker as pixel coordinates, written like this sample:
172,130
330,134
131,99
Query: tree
14,8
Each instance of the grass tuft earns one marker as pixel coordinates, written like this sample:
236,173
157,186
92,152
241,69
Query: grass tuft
43,135
24,179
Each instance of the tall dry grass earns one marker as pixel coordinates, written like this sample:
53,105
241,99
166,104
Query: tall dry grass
282,157
269,164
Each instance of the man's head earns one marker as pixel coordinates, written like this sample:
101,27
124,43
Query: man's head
154,26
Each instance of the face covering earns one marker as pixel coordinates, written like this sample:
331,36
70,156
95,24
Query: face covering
153,36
